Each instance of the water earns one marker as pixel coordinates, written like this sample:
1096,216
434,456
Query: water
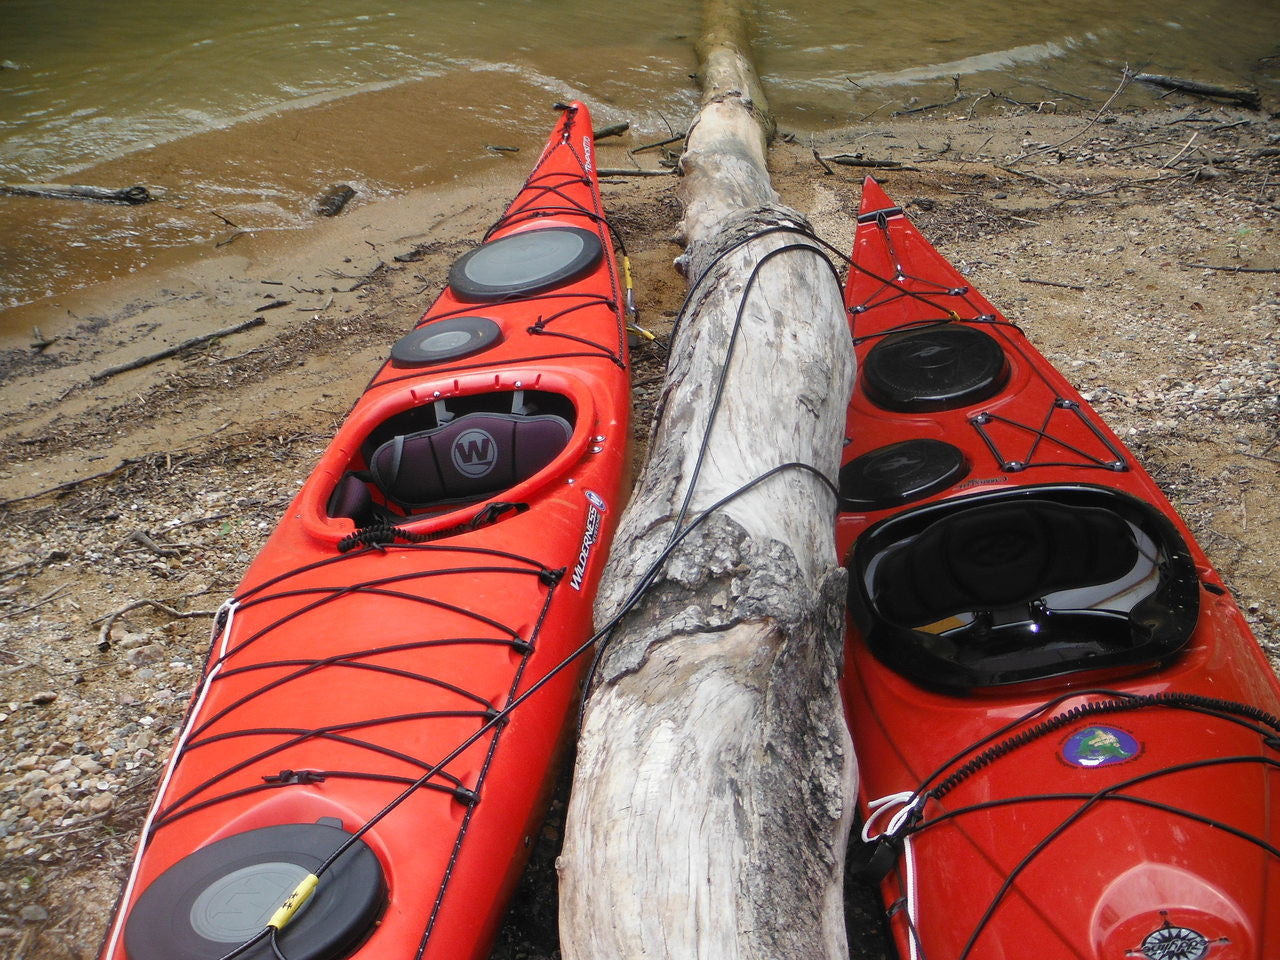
242,112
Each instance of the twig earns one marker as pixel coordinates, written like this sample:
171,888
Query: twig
145,540
104,635
1051,283
1230,269
659,143
847,161
826,168
122,465
976,101
47,598
616,172
1033,176
274,304
1178,156
170,351
931,106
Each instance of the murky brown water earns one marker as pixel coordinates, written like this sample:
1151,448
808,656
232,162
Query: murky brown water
241,113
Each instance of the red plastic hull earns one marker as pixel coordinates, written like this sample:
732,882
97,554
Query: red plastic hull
369,667
1061,860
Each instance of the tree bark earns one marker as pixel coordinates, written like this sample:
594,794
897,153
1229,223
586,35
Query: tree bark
714,782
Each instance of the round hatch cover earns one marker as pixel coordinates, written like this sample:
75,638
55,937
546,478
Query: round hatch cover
449,339
222,895
899,473
525,263
939,368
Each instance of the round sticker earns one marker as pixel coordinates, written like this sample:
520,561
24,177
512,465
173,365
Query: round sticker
1100,747
474,452
596,500
1174,943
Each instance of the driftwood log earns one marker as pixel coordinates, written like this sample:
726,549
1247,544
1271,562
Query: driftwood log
78,191
1244,96
714,780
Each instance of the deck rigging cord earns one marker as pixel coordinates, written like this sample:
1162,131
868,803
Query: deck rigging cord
958,305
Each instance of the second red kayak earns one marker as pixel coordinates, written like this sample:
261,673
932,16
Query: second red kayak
1069,741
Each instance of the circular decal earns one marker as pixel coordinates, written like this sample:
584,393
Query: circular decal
474,452
235,907
1174,943
596,500
1100,747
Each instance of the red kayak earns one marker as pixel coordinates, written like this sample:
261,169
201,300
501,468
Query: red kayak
1069,740
364,763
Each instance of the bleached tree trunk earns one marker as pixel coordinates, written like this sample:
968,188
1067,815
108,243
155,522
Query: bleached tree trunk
714,782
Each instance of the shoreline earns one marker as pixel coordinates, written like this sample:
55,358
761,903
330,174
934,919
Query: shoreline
176,471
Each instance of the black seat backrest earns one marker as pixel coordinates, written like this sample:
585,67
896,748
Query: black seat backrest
468,458
998,555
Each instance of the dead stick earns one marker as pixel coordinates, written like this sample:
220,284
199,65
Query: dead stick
170,351
616,172
612,130
1230,269
1244,97
660,143
104,635
1050,283
822,163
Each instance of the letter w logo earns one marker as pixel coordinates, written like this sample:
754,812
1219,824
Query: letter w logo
474,453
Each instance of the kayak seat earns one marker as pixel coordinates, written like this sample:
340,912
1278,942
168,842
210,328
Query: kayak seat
469,458
1018,585
1001,554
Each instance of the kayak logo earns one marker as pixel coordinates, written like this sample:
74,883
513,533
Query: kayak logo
1100,747
1175,943
596,509
586,149
474,453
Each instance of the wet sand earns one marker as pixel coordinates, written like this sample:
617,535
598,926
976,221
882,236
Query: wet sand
1088,247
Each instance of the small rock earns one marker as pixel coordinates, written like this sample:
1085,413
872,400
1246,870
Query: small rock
43,697
34,913
144,654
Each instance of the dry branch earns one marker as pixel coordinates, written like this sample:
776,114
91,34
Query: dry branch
76,191
170,351
1244,96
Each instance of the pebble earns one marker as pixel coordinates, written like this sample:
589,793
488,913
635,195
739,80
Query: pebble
44,696
33,913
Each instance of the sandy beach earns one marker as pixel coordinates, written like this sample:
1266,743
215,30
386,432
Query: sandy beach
1139,258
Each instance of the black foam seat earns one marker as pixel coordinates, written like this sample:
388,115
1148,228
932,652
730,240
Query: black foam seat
999,555
934,368
1016,585
468,458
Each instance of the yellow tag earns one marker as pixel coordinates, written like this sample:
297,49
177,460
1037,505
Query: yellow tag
301,893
